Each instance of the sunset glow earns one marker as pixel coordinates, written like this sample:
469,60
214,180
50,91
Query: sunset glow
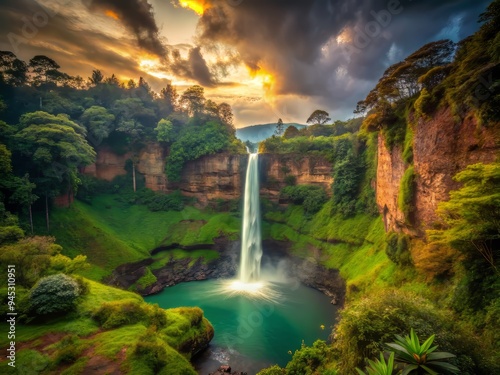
197,6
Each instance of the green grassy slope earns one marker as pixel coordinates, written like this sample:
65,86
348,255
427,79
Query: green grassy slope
111,233
69,344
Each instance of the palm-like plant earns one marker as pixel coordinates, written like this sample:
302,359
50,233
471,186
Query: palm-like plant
421,358
379,366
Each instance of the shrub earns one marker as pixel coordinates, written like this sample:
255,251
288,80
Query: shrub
365,327
310,360
420,358
379,366
397,248
273,370
54,294
151,353
118,313
124,312
310,196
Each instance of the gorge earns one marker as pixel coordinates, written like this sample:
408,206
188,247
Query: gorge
140,236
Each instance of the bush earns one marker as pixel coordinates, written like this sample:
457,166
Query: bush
118,313
369,323
310,360
54,295
151,353
125,312
310,196
397,248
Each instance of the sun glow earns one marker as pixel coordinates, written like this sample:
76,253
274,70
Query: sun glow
263,78
256,290
198,7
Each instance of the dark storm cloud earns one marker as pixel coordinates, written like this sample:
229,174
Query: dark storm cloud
138,16
194,67
297,40
79,49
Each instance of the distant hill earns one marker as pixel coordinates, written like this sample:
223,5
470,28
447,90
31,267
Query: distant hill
257,133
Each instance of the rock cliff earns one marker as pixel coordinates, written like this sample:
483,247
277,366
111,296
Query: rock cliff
442,147
277,168
219,176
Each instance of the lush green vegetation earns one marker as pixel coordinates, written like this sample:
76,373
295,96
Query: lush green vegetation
109,325
133,231
445,289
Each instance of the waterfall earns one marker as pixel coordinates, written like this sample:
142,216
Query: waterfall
251,241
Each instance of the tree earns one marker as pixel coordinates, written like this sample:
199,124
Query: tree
318,117
24,196
168,100
13,70
164,131
291,132
471,218
280,128
56,147
226,114
127,112
96,78
401,80
113,80
99,122
43,67
193,100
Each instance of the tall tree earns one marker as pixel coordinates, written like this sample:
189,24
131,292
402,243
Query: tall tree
318,117
99,123
128,113
193,100
168,100
13,71
96,78
280,128
43,68
56,147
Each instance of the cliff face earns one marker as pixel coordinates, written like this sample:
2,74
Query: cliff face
441,148
276,168
219,176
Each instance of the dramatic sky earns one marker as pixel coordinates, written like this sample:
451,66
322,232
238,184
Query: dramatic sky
267,58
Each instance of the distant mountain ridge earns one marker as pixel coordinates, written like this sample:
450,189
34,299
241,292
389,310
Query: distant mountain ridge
257,133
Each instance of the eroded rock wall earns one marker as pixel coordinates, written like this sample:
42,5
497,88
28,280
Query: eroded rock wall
442,147
276,168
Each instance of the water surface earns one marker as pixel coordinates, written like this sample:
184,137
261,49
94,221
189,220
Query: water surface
251,334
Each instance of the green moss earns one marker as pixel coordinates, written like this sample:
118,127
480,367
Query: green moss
162,258
147,279
408,146
407,193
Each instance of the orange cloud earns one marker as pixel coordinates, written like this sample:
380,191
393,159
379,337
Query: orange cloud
111,14
198,7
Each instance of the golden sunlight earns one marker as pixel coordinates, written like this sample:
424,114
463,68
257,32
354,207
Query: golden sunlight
198,7
263,78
